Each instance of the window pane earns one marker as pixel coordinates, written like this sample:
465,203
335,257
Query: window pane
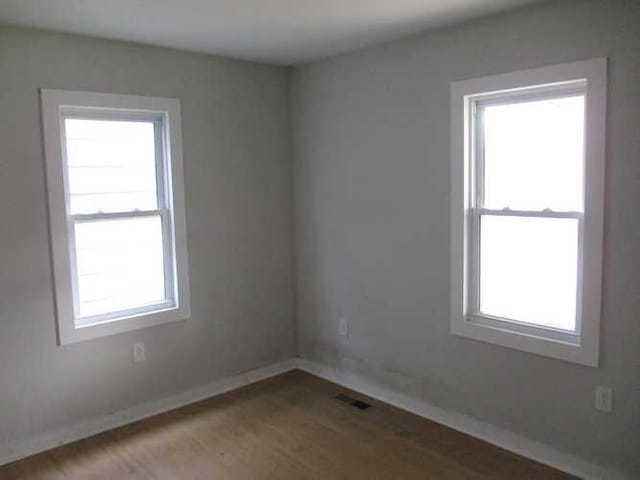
111,165
529,269
119,264
534,154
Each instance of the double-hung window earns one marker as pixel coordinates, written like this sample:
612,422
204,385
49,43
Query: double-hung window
527,188
114,176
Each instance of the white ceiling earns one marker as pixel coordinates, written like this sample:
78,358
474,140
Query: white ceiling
273,31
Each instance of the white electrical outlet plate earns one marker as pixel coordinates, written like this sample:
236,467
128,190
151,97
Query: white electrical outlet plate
344,327
604,398
139,354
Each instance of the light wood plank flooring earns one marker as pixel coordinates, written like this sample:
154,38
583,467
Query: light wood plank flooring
286,427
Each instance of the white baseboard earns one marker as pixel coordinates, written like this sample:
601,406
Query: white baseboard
489,433
15,451
464,423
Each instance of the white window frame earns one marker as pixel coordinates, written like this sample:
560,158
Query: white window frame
165,114
467,96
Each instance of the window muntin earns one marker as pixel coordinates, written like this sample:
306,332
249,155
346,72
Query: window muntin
528,178
119,223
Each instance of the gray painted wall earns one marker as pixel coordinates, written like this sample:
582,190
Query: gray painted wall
371,149
239,221
371,157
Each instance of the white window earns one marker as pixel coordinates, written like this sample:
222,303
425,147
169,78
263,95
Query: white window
116,203
527,207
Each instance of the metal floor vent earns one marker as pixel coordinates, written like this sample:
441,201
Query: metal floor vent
352,401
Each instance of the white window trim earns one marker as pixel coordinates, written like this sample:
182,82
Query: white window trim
55,104
583,346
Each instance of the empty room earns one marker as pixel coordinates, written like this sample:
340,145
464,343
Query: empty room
339,239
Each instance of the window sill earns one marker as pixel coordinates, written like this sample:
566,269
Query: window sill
79,333
539,341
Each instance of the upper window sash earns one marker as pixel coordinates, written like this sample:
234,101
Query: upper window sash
162,166
478,105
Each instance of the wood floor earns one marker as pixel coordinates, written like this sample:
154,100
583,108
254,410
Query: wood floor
286,427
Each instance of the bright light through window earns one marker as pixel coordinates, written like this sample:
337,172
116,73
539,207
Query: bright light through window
120,264
532,164
112,165
528,269
534,154
115,203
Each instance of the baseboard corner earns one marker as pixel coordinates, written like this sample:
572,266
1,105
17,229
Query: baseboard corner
489,433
